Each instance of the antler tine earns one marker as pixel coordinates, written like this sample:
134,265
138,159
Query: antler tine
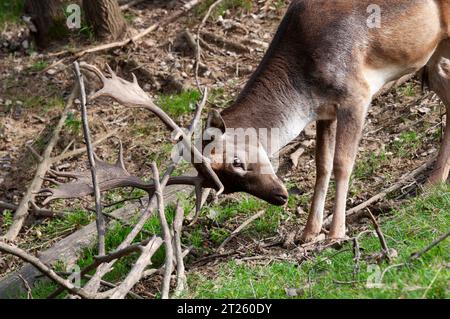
111,72
52,180
132,95
135,80
93,69
120,157
63,174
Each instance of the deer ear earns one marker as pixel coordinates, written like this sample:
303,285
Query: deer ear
215,120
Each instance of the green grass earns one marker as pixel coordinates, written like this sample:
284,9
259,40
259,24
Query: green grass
224,6
7,219
39,66
73,124
330,273
179,104
368,166
409,90
70,222
10,11
406,143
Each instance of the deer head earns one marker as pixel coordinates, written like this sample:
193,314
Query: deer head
224,170
241,162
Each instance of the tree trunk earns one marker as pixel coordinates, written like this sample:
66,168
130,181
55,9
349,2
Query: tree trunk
106,18
48,19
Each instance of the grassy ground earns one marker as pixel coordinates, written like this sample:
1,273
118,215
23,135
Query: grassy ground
10,11
330,273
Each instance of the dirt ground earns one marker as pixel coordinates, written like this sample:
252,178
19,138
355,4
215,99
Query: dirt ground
402,130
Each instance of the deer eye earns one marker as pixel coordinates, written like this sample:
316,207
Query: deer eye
237,163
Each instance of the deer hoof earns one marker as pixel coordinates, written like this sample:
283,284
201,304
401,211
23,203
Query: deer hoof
336,240
310,237
435,179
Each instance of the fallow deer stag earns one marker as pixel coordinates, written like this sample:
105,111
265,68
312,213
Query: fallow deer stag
324,64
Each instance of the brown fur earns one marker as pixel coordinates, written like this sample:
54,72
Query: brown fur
318,65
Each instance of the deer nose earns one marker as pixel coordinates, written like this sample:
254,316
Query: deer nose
281,199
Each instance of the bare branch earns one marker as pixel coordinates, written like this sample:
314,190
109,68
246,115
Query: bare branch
101,228
241,227
418,254
166,234
136,272
36,184
177,225
358,210
9,249
199,29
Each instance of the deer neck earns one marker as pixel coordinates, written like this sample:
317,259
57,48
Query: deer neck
275,100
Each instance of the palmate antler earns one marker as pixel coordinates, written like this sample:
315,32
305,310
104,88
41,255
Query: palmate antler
112,176
109,176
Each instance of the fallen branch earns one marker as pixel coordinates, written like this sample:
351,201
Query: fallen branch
418,254
41,212
23,209
130,4
100,219
198,51
118,44
82,150
181,276
357,211
104,283
240,228
166,234
386,252
9,249
136,272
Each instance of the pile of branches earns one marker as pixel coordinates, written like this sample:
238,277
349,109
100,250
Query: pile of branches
104,176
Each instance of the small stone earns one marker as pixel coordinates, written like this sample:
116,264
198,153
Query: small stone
25,44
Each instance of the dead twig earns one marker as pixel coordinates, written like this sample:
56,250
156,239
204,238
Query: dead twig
241,227
118,44
9,249
418,254
181,276
198,51
81,150
41,212
136,272
36,184
166,234
224,43
386,252
27,287
34,152
357,252
101,226
357,211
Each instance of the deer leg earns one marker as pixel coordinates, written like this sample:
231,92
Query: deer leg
350,122
439,78
325,141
